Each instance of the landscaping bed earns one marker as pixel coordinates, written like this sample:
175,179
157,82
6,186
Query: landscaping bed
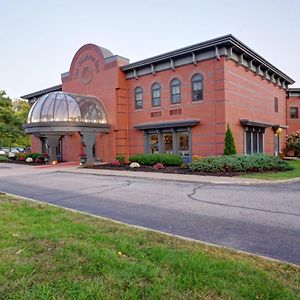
228,165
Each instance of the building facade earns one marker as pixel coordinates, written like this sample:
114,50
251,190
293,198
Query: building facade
178,102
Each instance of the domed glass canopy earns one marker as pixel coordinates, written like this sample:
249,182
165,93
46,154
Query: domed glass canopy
64,107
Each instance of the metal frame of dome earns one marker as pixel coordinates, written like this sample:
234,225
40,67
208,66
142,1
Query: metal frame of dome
65,107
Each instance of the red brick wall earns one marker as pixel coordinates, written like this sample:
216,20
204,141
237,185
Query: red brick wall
249,96
293,124
106,82
207,137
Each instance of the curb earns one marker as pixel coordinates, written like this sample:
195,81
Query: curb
184,178
156,231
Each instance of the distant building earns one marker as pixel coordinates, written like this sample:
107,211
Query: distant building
177,102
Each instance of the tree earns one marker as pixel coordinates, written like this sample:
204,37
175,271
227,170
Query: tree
229,148
11,120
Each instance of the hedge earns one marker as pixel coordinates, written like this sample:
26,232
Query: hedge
152,159
240,163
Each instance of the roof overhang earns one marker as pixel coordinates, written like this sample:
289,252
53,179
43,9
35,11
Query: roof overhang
228,46
247,122
168,124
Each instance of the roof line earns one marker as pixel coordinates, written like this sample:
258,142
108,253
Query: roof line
225,40
44,91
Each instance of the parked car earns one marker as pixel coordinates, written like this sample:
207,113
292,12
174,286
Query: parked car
4,151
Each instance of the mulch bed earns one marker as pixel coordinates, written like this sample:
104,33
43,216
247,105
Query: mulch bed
166,169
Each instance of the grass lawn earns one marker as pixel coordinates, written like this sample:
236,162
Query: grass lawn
51,253
278,175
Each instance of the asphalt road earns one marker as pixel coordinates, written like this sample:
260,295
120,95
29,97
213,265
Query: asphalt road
261,219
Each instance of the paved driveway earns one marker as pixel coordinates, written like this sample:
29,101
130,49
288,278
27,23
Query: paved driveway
262,219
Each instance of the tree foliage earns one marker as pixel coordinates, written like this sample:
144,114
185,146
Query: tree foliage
229,148
12,116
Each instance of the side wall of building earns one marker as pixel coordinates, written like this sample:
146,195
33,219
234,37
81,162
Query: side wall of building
293,122
250,96
208,136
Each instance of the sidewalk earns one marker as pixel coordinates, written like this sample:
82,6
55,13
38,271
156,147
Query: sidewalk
175,177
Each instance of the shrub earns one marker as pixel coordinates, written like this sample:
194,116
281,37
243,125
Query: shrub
3,158
134,165
38,160
229,145
158,166
293,142
240,163
116,163
152,159
29,160
121,158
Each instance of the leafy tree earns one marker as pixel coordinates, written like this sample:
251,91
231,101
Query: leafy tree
11,120
229,148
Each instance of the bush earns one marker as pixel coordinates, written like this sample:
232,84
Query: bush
134,165
240,163
152,159
120,158
229,145
158,166
116,163
3,158
293,142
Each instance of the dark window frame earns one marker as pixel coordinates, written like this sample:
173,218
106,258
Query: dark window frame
197,78
254,140
296,114
138,103
154,88
175,96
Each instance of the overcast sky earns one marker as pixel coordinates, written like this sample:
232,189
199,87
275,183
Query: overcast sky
40,38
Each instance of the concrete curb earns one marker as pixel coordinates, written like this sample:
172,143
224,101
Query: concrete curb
178,177
156,231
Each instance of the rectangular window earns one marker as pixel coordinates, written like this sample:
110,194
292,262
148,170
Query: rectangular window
294,112
254,140
156,97
276,104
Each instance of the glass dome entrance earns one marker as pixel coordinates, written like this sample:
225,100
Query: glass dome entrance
64,107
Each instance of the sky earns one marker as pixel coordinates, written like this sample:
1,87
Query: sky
38,39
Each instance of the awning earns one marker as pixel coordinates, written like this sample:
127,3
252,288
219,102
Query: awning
168,124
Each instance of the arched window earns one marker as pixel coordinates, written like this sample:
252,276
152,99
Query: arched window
138,98
155,92
175,91
197,87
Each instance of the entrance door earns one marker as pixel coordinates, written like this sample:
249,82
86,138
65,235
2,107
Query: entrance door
59,150
184,146
276,144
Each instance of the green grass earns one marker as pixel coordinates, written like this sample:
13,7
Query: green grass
278,175
51,253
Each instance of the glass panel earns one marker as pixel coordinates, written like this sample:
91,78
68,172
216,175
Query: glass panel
254,140
168,143
61,110
153,143
138,100
248,142
183,141
261,142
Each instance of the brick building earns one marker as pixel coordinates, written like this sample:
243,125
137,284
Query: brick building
177,102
